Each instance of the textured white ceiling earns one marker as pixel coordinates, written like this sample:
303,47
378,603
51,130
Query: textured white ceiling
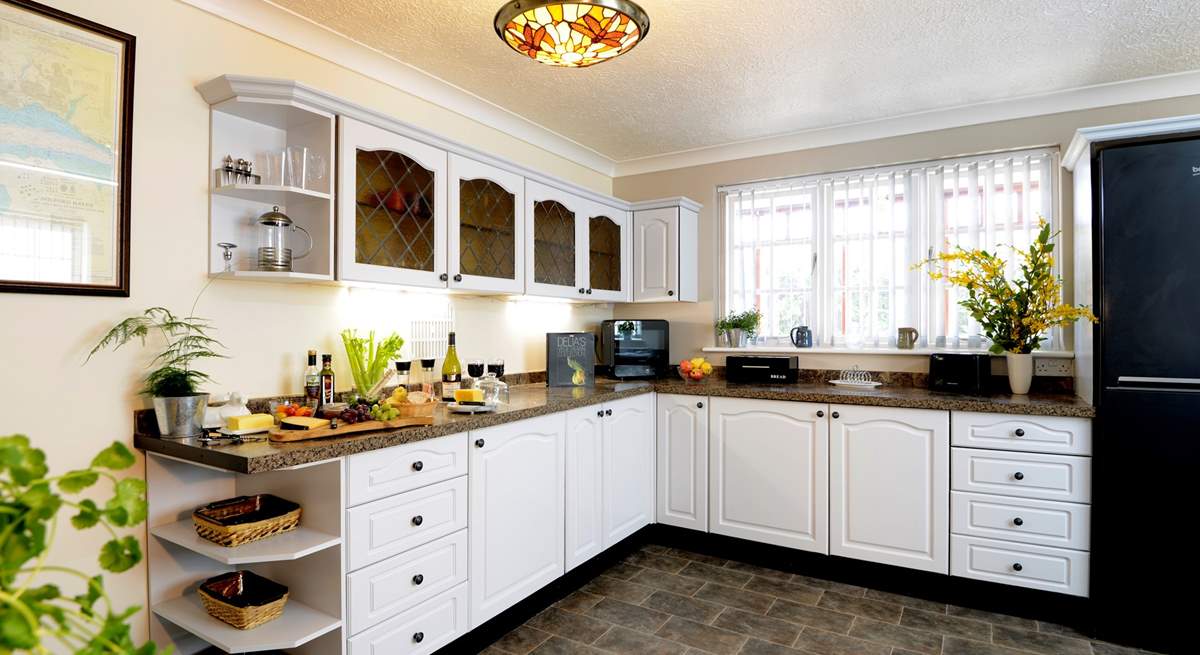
719,71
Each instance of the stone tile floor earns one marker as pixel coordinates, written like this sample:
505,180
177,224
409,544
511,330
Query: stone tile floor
672,602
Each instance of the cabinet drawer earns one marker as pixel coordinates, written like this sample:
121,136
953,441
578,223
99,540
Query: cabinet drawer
1023,565
1035,434
381,591
382,473
422,629
1029,475
378,530
1044,522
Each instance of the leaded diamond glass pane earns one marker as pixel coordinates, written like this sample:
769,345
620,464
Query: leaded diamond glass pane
604,256
553,244
394,199
487,230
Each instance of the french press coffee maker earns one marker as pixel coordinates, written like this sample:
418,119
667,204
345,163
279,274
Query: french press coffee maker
274,247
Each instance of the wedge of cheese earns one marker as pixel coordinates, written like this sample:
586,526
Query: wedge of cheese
250,422
303,423
468,396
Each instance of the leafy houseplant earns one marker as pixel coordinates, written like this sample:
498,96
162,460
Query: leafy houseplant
1012,312
32,613
173,384
737,327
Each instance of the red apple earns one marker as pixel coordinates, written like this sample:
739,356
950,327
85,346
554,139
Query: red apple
697,374
686,366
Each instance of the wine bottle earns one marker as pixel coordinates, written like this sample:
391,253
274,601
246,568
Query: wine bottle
451,372
312,382
327,393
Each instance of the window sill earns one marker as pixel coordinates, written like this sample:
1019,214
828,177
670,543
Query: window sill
915,352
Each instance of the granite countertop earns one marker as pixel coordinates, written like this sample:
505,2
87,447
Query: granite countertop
261,455
528,401
1045,404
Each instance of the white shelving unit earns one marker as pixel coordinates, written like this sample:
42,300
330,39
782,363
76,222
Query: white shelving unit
299,625
246,127
285,547
308,560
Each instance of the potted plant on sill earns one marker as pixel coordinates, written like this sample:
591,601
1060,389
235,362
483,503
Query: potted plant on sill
737,328
178,404
1013,313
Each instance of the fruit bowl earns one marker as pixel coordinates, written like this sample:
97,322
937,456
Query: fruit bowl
696,369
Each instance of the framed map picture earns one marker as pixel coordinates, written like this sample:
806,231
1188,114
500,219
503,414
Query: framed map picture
66,117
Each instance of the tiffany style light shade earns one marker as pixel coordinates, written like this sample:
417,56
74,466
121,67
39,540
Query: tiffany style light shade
572,34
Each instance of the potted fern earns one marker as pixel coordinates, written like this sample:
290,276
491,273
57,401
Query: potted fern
172,384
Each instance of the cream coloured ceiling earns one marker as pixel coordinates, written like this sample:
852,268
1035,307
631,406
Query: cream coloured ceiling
714,72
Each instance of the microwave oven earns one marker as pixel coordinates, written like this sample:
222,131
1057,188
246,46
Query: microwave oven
634,348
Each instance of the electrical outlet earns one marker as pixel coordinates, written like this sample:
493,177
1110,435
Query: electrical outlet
1053,366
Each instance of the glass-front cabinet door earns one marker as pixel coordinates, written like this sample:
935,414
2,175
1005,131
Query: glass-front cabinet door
486,227
555,241
608,254
391,208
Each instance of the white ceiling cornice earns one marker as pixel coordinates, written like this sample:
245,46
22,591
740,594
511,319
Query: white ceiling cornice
1089,97
282,25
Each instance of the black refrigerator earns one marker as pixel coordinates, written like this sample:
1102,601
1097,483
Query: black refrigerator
1146,466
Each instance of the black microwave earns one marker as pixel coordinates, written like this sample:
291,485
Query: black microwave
634,348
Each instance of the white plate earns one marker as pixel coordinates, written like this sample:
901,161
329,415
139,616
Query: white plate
862,385
470,409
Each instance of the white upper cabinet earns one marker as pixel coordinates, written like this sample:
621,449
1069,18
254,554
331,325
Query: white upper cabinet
609,253
683,461
486,227
889,486
584,481
391,208
555,242
665,253
628,467
768,472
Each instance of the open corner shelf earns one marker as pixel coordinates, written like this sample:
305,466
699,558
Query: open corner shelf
298,625
278,195
292,545
293,277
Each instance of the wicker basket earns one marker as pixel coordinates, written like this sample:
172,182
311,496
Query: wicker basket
411,411
242,599
244,519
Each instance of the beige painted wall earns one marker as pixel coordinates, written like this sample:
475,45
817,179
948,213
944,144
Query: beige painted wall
691,323
73,411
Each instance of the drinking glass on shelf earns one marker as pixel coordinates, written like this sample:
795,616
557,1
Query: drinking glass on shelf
496,366
475,368
316,174
270,166
294,172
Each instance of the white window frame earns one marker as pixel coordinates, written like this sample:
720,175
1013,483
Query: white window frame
924,240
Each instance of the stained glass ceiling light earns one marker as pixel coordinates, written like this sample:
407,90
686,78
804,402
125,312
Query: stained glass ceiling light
572,34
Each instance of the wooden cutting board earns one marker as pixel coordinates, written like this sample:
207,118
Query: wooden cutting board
346,429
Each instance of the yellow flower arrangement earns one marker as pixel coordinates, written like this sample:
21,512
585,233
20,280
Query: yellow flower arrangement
1012,313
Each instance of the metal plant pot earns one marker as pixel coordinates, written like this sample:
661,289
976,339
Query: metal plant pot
180,416
735,338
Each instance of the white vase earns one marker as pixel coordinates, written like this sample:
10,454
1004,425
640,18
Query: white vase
1020,372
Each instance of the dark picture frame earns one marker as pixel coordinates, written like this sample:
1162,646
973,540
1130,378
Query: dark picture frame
122,173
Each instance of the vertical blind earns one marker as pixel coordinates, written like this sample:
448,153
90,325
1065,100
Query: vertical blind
836,251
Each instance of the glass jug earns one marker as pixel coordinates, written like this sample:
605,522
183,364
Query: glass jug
274,247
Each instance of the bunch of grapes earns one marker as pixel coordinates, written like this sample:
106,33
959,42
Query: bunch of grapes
355,413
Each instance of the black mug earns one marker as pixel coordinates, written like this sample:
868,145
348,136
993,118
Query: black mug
802,337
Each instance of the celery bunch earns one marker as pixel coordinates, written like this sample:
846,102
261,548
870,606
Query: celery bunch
370,362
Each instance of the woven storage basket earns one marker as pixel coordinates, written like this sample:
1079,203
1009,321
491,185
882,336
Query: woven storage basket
242,599
244,519
412,411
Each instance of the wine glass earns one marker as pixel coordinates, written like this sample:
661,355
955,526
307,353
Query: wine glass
496,366
475,368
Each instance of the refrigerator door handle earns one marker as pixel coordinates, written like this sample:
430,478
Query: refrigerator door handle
1133,379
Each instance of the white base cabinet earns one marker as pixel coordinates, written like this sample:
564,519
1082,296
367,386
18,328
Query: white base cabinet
584,483
628,488
682,461
423,629
769,462
517,511
889,488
